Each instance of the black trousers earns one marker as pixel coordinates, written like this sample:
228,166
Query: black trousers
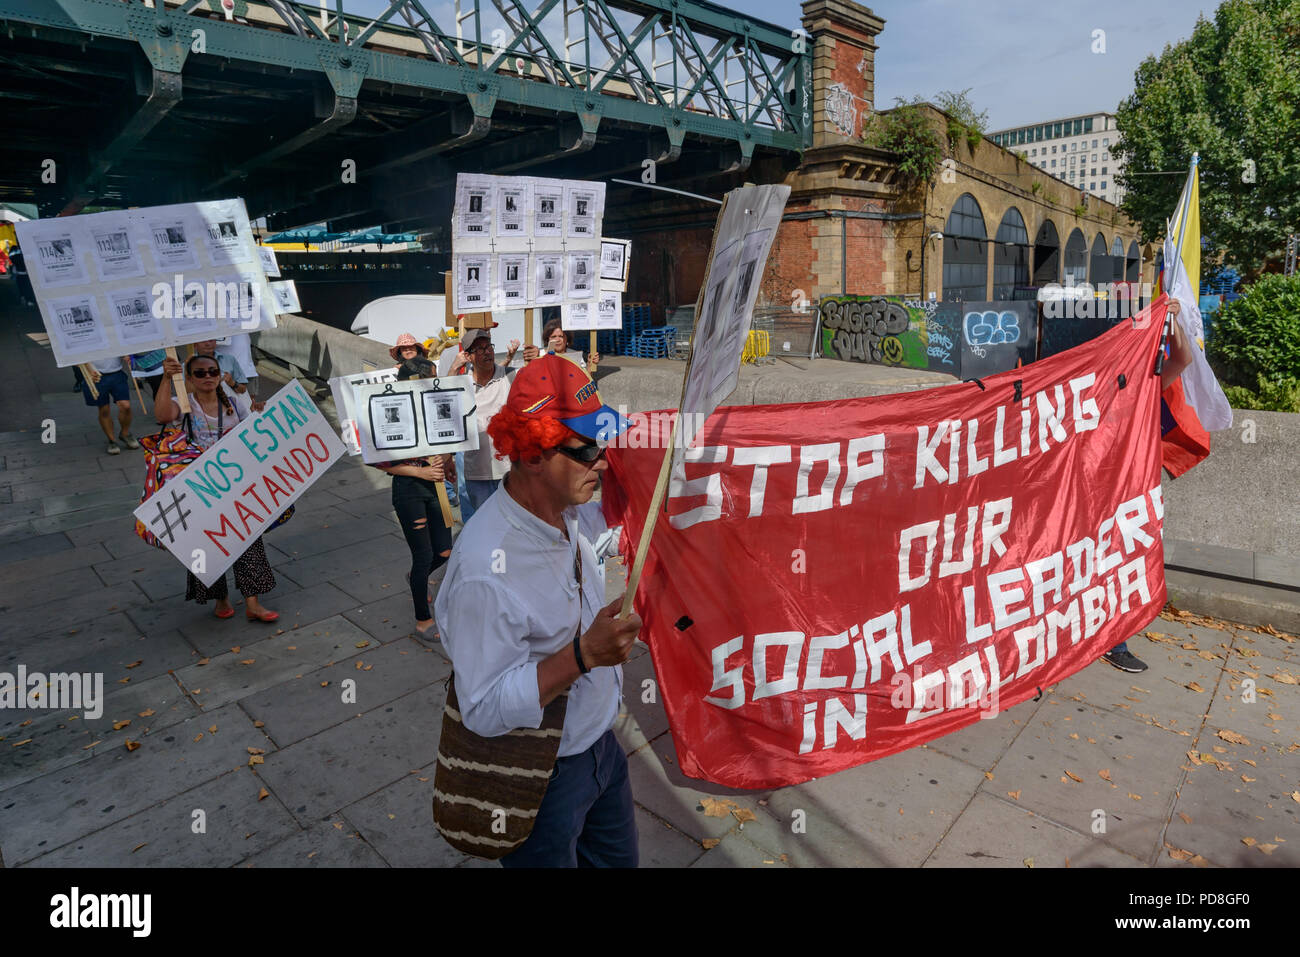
416,503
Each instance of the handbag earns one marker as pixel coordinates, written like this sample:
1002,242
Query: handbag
487,791
166,455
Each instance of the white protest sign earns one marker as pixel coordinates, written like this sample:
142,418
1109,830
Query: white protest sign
741,243
415,418
134,280
344,388
209,514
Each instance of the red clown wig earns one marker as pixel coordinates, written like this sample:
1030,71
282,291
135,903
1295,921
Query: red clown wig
517,436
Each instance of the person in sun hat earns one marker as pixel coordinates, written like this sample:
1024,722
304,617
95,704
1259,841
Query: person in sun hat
522,636
407,348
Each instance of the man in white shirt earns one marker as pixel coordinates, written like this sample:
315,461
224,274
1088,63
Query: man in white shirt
483,470
521,618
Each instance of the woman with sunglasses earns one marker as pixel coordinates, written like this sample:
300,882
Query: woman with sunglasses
214,411
560,342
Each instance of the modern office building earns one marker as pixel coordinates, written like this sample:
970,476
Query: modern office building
1075,149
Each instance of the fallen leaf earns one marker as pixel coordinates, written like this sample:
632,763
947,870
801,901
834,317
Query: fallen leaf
1029,862
1193,686
1014,795
91,745
262,793
1274,717
123,681
1187,819
1189,646
257,751
147,713
1074,736
1104,774
235,650
136,664
989,775
1286,678
1220,750
1179,854
138,846
1135,797
1268,848
212,729
204,661
715,808
744,815
1250,762
359,665
198,736
711,843
1295,796
1248,841
362,644
1136,688
119,725
324,684
248,661
367,667
1247,780
259,724
132,745
256,759
1248,652
1232,737
1074,777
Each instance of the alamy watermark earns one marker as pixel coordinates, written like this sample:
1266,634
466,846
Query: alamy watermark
53,691
1105,300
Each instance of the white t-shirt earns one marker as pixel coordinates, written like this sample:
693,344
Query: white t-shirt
482,465
107,366
205,429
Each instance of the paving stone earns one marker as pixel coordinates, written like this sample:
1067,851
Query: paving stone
735,850
16,596
982,743
381,580
301,707
1268,646
114,571
386,619
674,798
638,721
322,845
88,605
35,473
61,807
366,506
398,823
350,560
995,832
107,644
274,660
81,482
659,844
34,546
1138,757
328,771
128,495
51,564
1228,712
1223,810
119,513
853,818
20,512
323,531
236,824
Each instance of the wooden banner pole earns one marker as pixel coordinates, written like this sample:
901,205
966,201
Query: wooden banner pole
591,348
530,318
178,383
445,504
90,380
136,382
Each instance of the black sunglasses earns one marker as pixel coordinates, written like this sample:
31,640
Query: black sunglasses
205,373
586,454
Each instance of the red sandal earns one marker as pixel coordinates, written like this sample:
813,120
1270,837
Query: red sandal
228,613
264,616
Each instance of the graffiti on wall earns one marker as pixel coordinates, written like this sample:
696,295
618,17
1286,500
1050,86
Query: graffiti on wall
890,330
961,339
840,108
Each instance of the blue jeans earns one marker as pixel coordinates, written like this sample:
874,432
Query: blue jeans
586,818
457,492
1121,647
478,491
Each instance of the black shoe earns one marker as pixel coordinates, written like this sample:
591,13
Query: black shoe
1125,661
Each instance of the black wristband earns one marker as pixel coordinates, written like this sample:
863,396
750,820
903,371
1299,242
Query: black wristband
577,654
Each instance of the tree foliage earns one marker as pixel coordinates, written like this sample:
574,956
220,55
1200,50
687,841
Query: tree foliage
1229,92
1257,337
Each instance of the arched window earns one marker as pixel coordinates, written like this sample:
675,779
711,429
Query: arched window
1133,265
1099,267
1010,255
1047,254
965,261
1117,247
1076,259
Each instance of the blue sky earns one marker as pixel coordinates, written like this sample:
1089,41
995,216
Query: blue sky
1023,60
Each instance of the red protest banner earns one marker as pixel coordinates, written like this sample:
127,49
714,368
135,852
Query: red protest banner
838,581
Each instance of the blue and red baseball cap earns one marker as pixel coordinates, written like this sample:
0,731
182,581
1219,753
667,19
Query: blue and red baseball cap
553,387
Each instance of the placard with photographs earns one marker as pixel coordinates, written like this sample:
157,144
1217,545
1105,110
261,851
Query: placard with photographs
615,255
512,272
195,266
549,281
473,272
436,413
512,202
270,265
473,213
580,273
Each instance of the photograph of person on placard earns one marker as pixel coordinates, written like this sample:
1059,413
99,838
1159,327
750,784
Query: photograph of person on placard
444,422
392,421
475,204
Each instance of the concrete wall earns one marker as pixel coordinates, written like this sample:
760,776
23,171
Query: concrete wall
320,351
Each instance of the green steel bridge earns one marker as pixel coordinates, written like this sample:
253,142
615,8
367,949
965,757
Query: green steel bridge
314,112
